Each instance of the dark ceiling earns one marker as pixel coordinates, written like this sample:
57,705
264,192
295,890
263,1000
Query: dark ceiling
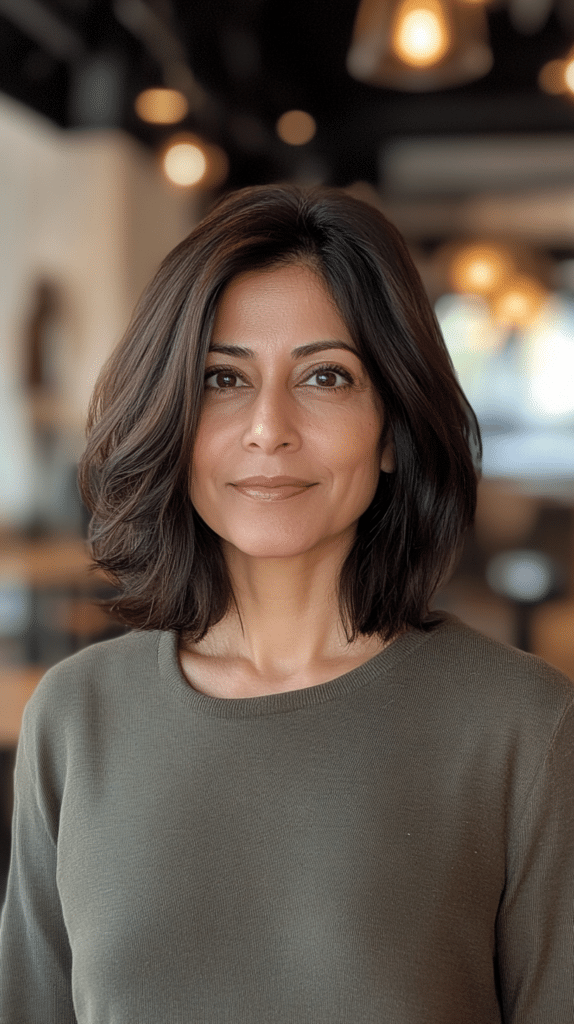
256,59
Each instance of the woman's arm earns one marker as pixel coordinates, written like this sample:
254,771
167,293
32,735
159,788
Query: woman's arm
535,929
35,957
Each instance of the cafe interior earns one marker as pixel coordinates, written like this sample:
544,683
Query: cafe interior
123,121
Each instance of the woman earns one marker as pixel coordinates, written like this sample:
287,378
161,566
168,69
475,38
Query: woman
291,794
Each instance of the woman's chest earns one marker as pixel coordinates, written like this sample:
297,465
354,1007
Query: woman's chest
327,866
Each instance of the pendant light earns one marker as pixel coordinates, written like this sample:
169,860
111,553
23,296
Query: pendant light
419,45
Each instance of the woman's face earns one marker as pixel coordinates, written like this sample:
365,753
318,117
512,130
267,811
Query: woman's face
275,412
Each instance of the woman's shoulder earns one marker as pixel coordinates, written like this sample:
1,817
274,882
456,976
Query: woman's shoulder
495,672
481,702
114,666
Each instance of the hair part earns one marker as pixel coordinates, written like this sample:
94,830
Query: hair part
166,562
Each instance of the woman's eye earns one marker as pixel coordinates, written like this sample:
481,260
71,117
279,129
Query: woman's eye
327,373
330,372
221,374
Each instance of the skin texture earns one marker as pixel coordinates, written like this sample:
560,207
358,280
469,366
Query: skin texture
273,415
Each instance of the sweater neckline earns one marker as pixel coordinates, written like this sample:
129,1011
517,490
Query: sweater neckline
382,663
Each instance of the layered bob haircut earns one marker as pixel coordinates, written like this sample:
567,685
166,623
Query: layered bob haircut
166,563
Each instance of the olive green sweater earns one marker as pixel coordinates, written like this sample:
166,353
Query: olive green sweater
395,846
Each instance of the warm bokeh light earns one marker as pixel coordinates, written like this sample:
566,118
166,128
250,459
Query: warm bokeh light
551,77
296,127
189,160
420,35
419,45
519,303
557,76
217,165
480,269
161,106
185,163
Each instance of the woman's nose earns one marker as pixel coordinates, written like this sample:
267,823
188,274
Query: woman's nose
271,419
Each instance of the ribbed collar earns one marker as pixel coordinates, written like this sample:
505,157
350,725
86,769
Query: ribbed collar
368,673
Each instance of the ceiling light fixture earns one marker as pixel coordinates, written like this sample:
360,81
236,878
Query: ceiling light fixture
420,33
417,45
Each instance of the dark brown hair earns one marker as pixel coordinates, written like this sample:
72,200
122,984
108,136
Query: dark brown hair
134,475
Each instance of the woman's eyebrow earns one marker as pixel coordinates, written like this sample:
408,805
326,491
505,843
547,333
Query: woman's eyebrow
303,350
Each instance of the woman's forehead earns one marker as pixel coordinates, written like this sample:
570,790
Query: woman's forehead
281,297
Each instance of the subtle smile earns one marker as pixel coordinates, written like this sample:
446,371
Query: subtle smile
273,493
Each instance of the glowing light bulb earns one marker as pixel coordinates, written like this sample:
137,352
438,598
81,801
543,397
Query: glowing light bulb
421,35
513,306
569,75
185,163
519,303
480,269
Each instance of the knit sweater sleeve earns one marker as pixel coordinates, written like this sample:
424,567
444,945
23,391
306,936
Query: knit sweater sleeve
535,926
35,957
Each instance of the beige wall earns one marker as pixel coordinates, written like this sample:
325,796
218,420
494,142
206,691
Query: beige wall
89,212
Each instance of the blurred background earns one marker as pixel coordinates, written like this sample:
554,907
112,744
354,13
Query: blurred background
122,121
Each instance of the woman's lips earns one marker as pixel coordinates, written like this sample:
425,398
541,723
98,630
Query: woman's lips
273,493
